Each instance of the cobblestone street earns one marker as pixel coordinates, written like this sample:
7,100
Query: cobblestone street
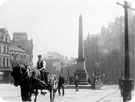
106,94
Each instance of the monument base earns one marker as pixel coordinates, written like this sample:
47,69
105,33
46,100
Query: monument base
80,86
82,76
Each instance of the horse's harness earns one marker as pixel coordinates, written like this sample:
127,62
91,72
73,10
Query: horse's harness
24,75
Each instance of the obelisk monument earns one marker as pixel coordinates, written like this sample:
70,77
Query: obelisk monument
81,70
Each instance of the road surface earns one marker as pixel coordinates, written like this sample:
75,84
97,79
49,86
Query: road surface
108,93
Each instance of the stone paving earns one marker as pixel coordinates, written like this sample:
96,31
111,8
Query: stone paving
106,94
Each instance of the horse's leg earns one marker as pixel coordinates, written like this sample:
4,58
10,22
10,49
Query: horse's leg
51,95
36,93
54,92
24,95
29,96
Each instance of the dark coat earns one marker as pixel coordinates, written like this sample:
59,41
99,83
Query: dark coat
61,81
76,81
39,65
120,82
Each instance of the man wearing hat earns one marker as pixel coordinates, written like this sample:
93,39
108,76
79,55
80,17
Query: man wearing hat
41,65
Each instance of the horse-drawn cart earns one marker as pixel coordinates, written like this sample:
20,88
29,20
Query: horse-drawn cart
30,82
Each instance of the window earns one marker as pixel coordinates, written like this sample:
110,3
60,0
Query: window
24,57
6,39
12,56
7,62
3,62
0,49
4,49
17,57
20,56
0,61
7,50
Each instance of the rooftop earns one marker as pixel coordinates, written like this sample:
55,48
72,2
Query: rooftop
15,48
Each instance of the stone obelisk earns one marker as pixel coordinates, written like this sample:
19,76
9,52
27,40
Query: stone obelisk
81,70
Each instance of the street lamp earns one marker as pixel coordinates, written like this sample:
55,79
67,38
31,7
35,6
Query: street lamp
97,82
127,81
95,76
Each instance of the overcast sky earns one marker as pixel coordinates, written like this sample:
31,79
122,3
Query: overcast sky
53,24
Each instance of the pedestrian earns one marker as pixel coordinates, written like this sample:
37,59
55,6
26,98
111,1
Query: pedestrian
76,83
89,80
121,84
61,85
55,86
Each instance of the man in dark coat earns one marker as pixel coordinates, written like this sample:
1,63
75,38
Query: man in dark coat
76,83
61,84
41,65
121,83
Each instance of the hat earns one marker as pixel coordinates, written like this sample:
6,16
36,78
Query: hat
39,55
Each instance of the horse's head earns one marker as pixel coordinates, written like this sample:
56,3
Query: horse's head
17,73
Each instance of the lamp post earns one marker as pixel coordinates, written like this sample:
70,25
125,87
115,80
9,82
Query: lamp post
127,81
97,82
95,69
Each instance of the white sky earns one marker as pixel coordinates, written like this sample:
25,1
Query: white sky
53,24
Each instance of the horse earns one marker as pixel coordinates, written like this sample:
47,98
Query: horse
29,82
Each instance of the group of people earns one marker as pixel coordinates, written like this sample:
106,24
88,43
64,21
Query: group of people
59,84
41,65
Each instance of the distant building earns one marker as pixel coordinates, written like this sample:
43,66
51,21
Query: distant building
20,40
5,54
54,62
18,55
53,55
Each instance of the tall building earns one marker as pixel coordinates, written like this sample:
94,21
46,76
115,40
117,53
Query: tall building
110,63
20,40
5,54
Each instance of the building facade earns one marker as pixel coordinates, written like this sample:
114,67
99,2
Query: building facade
12,52
5,54
18,56
20,40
